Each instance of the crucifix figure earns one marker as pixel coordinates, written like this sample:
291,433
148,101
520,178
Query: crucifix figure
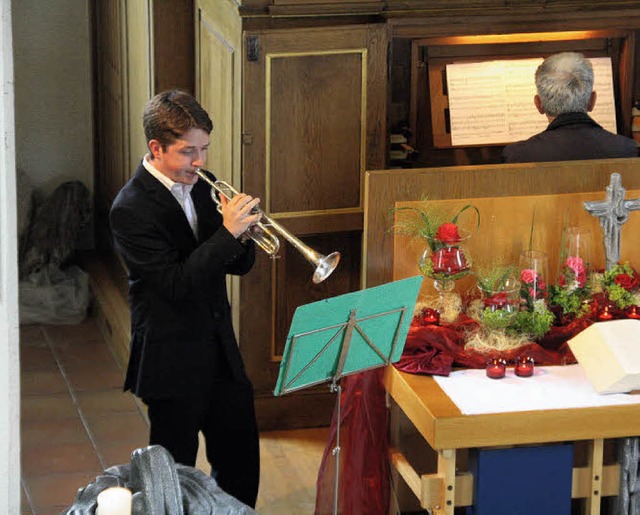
613,212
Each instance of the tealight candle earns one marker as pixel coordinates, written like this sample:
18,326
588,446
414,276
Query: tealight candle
633,312
430,316
605,314
496,368
524,366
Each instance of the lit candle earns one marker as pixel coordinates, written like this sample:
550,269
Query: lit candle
633,312
496,368
114,501
524,366
605,314
430,316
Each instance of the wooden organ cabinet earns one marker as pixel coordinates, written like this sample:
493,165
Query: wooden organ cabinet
304,95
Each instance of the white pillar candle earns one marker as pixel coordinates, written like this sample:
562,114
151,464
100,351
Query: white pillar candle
114,501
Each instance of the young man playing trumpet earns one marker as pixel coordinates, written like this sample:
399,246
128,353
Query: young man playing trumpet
184,361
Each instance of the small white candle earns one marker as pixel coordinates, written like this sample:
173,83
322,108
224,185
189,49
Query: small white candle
114,501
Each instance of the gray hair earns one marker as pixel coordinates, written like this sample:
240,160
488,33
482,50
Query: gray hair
565,82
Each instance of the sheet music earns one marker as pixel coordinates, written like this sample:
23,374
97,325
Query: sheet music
604,111
491,102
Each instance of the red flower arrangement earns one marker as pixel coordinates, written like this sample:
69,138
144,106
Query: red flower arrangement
622,285
569,298
448,234
498,300
449,260
444,258
628,282
532,287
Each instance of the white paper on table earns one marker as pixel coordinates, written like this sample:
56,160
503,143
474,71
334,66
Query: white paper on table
559,387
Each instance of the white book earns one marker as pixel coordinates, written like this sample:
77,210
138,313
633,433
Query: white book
609,352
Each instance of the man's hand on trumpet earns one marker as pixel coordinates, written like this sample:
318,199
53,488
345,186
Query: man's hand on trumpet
238,215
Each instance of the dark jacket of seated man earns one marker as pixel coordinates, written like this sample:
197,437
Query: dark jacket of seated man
564,85
570,137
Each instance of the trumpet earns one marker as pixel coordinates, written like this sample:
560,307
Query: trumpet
265,237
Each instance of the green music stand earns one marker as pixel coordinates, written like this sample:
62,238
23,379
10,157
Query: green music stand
343,335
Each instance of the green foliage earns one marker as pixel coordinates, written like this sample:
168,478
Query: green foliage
498,319
423,225
535,323
571,301
621,297
530,324
620,268
495,278
425,222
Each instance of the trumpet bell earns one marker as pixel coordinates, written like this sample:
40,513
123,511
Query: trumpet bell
326,265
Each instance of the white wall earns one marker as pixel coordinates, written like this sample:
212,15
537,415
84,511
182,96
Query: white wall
9,350
53,96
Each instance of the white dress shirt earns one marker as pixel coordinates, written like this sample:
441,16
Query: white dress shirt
181,192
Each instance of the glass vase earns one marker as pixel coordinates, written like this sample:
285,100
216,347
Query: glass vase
574,265
449,260
444,287
445,264
502,297
533,266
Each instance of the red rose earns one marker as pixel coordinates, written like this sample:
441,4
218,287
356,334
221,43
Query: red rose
627,281
582,279
449,260
497,300
528,276
448,233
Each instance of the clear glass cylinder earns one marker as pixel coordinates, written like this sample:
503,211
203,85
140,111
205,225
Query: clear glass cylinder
575,262
533,266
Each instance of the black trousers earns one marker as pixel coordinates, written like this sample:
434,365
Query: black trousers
226,417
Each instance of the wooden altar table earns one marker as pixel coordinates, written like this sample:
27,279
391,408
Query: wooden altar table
446,429
509,197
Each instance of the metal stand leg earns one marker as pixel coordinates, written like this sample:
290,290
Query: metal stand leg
336,388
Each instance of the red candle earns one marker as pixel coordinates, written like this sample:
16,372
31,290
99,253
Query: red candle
605,314
430,316
496,368
633,312
524,366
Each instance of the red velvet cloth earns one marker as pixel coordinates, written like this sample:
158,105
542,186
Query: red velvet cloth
364,472
435,350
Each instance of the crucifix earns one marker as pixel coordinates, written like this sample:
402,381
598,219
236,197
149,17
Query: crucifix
613,212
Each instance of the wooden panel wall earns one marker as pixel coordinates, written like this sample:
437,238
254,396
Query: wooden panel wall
219,47
219,91
385,189
112,163
138,78
173,45
127,64
505,230
313,119
316,130
131,66
462,9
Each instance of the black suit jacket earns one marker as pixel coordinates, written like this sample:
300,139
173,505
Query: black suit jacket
182,337
570,137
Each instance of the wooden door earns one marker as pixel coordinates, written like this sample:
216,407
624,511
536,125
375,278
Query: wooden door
314,119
